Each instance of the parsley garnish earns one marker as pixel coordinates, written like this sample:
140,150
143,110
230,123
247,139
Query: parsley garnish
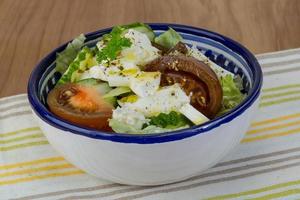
115,43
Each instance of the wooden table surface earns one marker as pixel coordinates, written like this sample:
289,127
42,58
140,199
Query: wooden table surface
29,29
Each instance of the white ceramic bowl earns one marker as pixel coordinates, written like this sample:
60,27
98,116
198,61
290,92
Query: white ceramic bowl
158,158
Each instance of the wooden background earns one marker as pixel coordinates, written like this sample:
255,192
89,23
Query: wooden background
29,29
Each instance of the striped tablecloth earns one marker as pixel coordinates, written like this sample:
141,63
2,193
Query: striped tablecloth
266,165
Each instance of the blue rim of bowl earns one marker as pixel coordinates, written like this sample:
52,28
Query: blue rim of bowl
64,125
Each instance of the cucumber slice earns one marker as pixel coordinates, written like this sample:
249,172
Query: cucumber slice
89,82
168,39
116,92
112,101
102,87
143,28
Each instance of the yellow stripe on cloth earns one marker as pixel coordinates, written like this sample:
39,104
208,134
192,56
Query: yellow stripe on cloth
256,191
33,162
35,170
19,131
277,119
255,131
273,135
32,178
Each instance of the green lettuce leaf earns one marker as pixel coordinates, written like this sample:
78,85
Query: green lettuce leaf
232,95
121,127
168,39
82,61
64,58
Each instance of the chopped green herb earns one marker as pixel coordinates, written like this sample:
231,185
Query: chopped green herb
115,43
171,120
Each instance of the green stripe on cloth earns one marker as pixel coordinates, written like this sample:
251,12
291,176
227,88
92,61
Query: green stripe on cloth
157,191
270,96
226,163
256,191
279,101
248,164
26,137
283,87
23,145
278,195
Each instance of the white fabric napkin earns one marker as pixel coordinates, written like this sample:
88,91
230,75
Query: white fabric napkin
265,165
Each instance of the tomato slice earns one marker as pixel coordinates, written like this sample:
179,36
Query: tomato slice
82,105
196,79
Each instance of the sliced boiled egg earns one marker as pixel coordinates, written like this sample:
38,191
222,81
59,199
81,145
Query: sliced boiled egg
140,52
130,117
96,72
164,100
145,83
142,83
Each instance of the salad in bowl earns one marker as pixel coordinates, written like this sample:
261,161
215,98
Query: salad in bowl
145,104
136,82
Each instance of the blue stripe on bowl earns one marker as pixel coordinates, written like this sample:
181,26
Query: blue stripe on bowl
223,51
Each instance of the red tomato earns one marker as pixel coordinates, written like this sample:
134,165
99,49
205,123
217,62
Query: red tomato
196,79
81,105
